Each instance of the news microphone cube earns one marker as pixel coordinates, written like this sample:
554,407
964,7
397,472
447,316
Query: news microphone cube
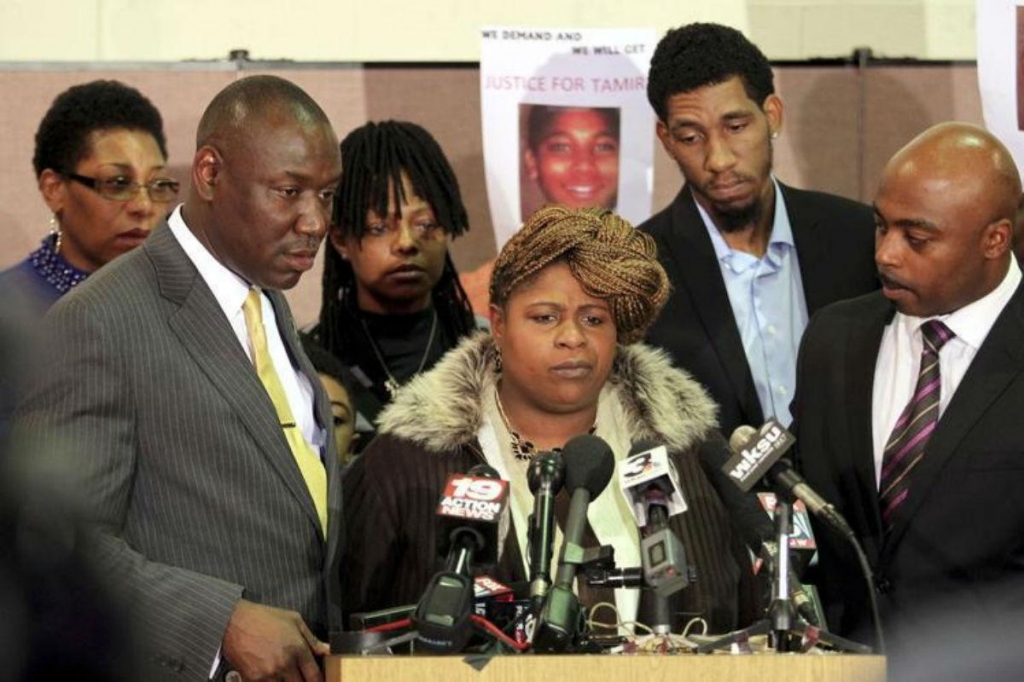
476,503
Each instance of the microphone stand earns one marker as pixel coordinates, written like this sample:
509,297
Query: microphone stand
785,631
665,568
670,574
782,611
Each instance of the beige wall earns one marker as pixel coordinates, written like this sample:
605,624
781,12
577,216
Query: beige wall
448,30
310,30
803,29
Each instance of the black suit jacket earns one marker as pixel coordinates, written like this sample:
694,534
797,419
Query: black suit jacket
835,245
955,555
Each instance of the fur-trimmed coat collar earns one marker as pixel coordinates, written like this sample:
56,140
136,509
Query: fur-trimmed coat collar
441,409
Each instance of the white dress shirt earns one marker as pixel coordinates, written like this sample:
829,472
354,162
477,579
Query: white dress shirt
899,357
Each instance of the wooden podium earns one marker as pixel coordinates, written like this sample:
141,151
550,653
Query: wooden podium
766,667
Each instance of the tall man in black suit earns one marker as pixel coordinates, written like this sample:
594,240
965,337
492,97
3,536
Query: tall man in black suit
201,433
910,400
749,258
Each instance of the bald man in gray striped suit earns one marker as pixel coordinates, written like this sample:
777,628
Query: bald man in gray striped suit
207,519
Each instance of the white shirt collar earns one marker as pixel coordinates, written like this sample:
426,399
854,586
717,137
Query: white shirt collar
972,323
228,288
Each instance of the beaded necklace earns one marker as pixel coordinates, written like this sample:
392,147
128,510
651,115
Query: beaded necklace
523,450
51,266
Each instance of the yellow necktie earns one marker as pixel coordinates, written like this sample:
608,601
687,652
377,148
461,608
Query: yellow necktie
305,456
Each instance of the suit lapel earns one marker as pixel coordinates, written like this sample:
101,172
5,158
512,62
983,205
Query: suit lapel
864,342
207,337
698,266
998,362
812,251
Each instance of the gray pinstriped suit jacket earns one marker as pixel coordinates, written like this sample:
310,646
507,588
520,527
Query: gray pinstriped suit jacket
184,466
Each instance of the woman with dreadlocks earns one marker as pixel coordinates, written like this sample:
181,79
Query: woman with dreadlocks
571,295
392,302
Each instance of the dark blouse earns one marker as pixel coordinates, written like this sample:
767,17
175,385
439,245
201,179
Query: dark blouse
41,279
399,341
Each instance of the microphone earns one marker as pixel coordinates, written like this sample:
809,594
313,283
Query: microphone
589,465
797,593
506,606
650,482
469,511
468,514
757,455
545,477
647,469
487,591
616,578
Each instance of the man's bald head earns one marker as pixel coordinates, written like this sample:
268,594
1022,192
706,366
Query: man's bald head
945,209
248,102
968,156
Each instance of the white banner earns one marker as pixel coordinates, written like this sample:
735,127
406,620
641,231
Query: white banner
1000,31
566,120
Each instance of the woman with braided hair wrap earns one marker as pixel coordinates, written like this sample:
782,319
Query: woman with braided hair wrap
571,294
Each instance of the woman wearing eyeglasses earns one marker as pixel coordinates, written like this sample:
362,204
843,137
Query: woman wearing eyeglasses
101,164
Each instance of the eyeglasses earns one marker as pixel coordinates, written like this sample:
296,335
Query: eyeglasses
120,188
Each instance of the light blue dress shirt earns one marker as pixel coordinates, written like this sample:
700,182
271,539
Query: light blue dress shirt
767,297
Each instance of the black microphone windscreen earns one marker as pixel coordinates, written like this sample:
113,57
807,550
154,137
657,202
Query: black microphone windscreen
589,464
546,465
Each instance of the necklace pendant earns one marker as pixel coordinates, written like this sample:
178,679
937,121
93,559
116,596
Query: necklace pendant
392,386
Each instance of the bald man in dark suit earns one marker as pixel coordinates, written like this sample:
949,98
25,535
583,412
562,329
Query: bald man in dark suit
908,408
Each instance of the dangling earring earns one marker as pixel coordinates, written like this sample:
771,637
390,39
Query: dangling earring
56,232
497,361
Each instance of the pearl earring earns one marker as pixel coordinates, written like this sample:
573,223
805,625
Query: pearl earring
56,232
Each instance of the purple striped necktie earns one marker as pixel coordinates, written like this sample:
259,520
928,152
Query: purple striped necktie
915,426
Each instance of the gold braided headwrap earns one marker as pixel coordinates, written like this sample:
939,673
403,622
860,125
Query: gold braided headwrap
608,257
